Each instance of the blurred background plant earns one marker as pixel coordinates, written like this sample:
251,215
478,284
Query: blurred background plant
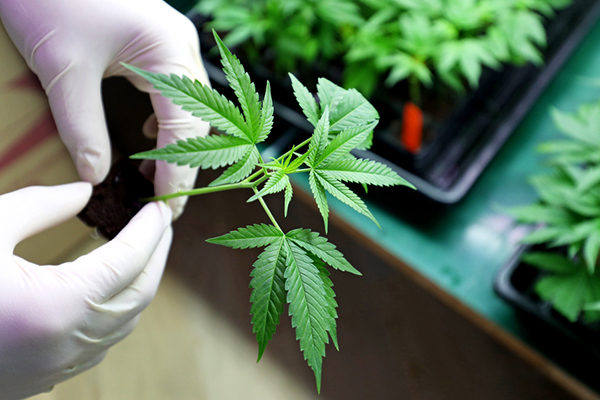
568,213
389,41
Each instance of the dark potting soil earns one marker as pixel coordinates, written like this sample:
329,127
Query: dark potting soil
117,199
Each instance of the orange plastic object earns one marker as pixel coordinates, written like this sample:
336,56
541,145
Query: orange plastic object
412,127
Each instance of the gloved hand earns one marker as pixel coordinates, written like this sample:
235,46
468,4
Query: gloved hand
57,321
72,44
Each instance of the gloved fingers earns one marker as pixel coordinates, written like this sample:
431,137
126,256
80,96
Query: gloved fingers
76,369
46,383
33,209
95,339
148,169
75,99
112,267
150,127
180,125
179,54
131,301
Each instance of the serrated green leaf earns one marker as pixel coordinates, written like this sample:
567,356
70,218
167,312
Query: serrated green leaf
345,195
297,163
544,235
586,204
582,127
322,248
577,232
289,193
258,235
344,142
240,170
268,293
591,248
551,189
276,183
266,115
243,88
563,146
211,151
468,55
541,213
362,171
589,179
320,137
352,109
329,93
201,101
402,66
308,306
566,293
331,324
550,262
318,192
305,100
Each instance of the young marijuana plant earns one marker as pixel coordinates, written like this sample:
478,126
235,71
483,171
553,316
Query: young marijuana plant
569,215
417,40
291,269
296,32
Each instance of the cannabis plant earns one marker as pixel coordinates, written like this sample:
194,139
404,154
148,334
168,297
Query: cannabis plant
295,32
568,214
391,40
292,267
453,40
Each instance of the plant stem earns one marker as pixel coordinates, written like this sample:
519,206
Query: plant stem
246,183
254,175
266,208
415,92
203,190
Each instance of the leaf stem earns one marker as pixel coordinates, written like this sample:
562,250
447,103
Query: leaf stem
203,190
304,143
301,170
414,90
266,208
254,175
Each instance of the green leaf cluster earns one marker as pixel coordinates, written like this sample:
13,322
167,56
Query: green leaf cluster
343,120
291,270
568,215
452,40
297,32
292,267
388,40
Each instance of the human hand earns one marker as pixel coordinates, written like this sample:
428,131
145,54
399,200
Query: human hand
57,321
72,44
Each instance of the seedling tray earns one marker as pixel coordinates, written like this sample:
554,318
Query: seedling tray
575,346
466,141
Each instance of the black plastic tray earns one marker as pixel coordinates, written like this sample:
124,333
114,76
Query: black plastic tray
445,169
575,346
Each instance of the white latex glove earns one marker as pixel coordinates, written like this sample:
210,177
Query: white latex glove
72,44
57,321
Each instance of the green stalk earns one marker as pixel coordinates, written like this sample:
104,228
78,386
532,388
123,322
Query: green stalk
414,90
266,208
203,190
246,183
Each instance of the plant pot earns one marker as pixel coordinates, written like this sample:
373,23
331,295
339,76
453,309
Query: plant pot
463,138
575,346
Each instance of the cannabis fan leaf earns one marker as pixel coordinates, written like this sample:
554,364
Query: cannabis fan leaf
291,269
